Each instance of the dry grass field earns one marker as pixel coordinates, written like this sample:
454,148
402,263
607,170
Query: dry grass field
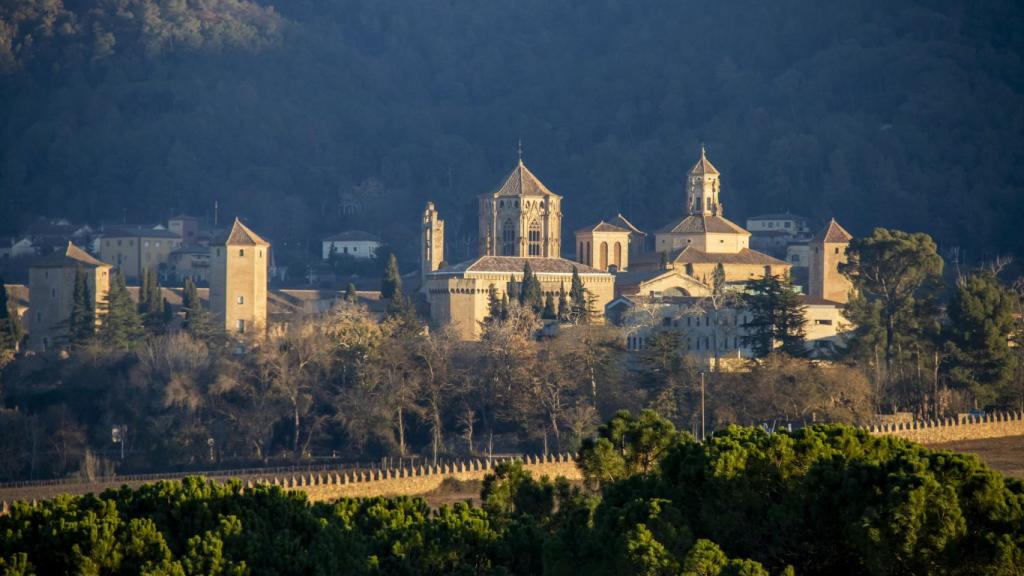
1003,454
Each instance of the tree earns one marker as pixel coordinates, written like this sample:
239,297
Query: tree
563,304
82,322
625,446
530,292
10,323
896,279
981,322
350,291
198,321
777,316
151,301
392,281
580,307
549,308
121,326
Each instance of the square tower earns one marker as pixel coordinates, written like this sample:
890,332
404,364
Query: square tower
238,280
521,218
827,252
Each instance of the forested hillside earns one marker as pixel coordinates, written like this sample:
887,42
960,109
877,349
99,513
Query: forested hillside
906,114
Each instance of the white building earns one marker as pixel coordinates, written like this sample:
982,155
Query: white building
354,243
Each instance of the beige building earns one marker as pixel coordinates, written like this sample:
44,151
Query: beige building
192,261
520,223
521,218
238,280
603,246
132,249
186,227
827,252
51,294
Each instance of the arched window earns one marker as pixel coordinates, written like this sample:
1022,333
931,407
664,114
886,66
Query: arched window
508,238
534,238
617,255
587,253
603,255
581,256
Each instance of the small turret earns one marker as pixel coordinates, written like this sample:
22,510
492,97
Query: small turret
431,240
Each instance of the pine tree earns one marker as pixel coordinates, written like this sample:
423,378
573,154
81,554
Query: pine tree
122,326
350,292
392,282
151,302
777,317
82,323
549,308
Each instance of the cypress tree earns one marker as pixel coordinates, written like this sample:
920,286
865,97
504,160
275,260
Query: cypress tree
350,292
530,293
579,309
10,328
151,301
392,282
82,323
563,304
493,305
549,308
503,310
122,326
190,298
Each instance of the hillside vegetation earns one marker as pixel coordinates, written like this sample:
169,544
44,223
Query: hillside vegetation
905,114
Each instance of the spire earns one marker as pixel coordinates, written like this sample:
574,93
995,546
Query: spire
520,151
702,187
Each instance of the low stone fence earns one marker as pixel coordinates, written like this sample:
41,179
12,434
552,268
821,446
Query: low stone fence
996,425
329,485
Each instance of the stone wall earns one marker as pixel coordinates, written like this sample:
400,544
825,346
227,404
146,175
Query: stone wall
996,425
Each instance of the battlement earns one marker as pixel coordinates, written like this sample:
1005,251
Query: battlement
965,427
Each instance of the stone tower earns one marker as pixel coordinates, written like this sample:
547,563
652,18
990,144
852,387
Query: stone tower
702,187
431,241
521,218
51,294
238,280
827,252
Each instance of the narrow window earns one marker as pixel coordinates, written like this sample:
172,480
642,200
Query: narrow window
241,326
241,299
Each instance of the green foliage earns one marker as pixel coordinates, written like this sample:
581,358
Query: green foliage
82,322
626,446
579,303
10,323
530,293
391,284
981,322
121,326
350,292
777,317
151,302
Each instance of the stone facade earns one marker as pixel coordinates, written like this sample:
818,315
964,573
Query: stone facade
133,249
238,280
521,218
827,251
604,246
51,293
431,240
997,425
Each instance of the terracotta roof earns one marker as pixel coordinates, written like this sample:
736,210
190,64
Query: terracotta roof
353,235
603,226
621,221
833,233
702,223
703,166
691,255
241,235
522,182
70,256
512,264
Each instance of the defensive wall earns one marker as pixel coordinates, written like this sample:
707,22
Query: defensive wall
965,427
416,480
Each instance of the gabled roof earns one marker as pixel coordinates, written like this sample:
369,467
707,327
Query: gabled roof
620,220
703,223
603,226
691,255
522,182
833,233
514,264
241,235
703,166
71,256
353,235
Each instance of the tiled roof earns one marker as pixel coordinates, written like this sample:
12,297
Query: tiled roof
701,223
703,166
691,255
522,182
603,226
137,232
353,235
70,256
833,233
512,264
241,235
620,220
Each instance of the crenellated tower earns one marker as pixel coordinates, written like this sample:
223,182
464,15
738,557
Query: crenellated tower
431,240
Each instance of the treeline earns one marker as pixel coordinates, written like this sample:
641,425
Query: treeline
900,114
824,500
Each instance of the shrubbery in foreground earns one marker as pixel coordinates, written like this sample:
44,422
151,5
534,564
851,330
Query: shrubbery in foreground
824,500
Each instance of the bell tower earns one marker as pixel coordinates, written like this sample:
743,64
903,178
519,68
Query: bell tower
702,187
431,240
